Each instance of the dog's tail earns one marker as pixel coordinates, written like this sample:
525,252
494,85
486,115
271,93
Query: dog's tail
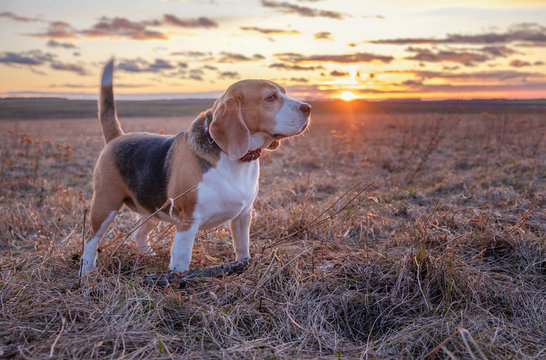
111,128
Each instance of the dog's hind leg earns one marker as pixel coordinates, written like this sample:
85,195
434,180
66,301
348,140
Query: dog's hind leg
103,211
140,236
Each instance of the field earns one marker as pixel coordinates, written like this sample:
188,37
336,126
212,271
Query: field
375,235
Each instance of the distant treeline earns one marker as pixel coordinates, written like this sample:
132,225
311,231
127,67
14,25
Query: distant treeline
56,108
492,106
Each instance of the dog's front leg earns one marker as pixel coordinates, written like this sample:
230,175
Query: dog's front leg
240,228
182,248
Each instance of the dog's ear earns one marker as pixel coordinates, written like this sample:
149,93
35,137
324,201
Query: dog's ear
228,128
274,145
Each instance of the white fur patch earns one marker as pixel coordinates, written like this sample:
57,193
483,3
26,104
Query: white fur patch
172,207
226,191
259,140
290,120
182,248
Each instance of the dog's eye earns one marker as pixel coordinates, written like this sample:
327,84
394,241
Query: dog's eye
271,98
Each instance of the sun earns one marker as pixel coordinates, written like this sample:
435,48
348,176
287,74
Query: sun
347,96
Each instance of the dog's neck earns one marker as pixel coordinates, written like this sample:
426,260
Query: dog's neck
200,140
249,156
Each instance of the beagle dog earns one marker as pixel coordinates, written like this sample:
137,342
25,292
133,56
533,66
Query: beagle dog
195,180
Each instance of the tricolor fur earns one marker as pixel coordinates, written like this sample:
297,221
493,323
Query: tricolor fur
144,171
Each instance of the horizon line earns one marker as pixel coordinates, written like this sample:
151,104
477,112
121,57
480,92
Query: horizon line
213,95
193,97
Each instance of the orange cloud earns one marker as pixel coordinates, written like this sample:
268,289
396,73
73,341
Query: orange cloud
269,31
122,27
193,23
529,33
288,8
227,57
57,30
343,58
323,35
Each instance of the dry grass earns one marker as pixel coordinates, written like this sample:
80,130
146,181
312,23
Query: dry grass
443,257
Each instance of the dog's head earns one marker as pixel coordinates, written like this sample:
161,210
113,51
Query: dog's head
255,114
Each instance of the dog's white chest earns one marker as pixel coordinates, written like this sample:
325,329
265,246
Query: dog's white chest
226,191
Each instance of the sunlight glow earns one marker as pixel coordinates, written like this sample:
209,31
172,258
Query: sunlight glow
347,96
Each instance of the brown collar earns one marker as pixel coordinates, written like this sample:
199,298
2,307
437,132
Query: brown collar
249,156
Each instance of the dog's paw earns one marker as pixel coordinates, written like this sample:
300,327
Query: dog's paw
85,270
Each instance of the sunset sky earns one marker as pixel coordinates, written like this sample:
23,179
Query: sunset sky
315,48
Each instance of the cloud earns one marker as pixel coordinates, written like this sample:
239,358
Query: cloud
143,66
32,57
73,86
122,27
519,63
227,57
194,55
78,69
196,74
338,73
201,22
159,65
498,51
14,17
283,66
462,57
57,30
465,89
323,35
38,58
412,83
530,34
58,44
465,57
473,88
223,57
94,86
229,75
343,58
269,31
288,8
478,76
299,80
380,17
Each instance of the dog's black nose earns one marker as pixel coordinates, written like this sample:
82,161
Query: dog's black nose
306,109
